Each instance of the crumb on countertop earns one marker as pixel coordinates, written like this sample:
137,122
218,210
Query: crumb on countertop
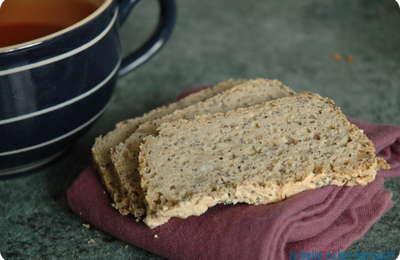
337,56
86,225
91,241
349,59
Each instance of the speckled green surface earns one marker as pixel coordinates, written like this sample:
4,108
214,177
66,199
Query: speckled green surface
290,40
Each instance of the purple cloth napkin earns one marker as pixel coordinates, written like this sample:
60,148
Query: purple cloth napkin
323,220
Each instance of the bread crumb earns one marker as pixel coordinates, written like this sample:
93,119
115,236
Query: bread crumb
86,225
156,236
337,56
91,241
126,247
349,59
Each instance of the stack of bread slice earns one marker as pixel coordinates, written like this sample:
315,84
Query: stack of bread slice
254,141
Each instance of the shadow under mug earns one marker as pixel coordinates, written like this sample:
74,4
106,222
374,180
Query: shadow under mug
53,88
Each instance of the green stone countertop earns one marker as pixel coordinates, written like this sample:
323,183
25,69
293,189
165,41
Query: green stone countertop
294,41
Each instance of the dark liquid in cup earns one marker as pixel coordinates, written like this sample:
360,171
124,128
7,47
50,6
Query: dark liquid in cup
22,21
18,33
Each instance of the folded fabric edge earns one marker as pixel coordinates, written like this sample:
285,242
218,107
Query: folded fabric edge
350,226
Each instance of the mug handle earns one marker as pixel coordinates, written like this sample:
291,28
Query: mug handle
162,32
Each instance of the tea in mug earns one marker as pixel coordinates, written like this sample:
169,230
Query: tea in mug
25,20
18,33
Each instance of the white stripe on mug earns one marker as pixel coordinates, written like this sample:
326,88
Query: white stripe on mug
66,103
55,139
65,55
29,166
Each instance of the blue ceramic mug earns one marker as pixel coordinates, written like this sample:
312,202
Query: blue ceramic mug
53,88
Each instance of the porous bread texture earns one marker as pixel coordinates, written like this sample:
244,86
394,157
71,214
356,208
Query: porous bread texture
102,146
258,155
125,155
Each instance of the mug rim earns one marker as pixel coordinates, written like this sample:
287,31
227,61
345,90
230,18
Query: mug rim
37,41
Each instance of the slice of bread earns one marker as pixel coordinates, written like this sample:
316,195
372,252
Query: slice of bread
257,155
101,148
125,155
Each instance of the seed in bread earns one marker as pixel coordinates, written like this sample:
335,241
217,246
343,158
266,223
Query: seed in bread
125,155
102,146
257,155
